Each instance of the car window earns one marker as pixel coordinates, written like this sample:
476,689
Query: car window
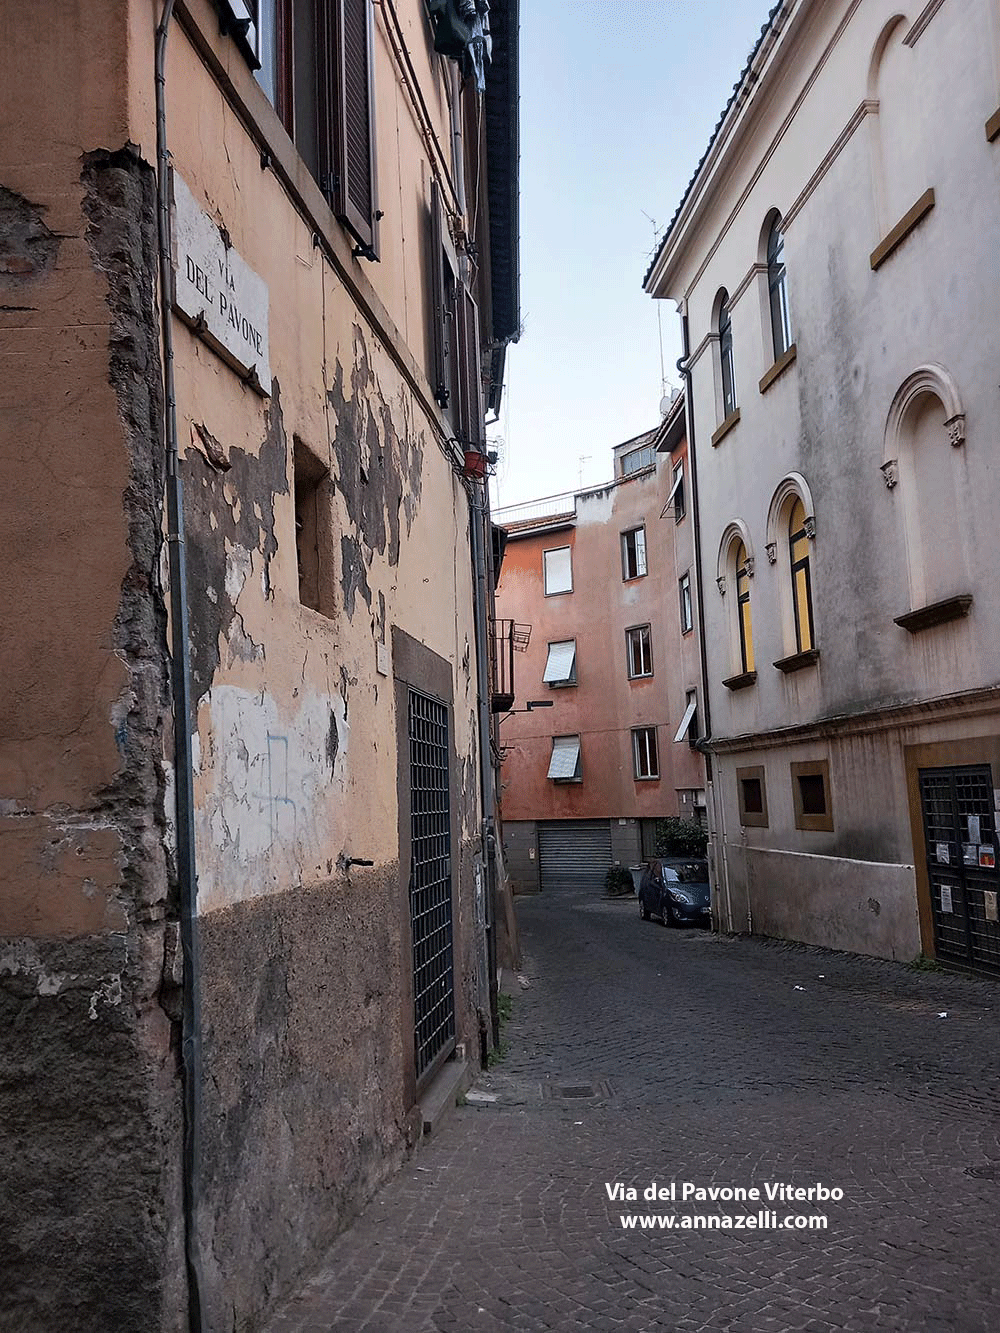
695,872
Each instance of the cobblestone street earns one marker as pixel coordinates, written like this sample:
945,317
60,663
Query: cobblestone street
733,1062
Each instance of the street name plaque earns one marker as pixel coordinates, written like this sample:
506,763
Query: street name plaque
217,293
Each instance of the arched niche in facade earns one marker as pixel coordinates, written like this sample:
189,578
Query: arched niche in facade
924,429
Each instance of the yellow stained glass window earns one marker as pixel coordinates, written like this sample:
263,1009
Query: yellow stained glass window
798,548
743,600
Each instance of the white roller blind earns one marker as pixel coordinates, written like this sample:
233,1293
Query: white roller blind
682,730
565,757
640,550
558,570
678,478
560,664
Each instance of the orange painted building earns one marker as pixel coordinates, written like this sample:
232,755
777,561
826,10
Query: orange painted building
605,579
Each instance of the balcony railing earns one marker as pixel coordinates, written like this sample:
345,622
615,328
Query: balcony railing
546,507
509,638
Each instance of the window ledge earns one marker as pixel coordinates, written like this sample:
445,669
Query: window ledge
902,229
742,681
782,364
653,777
798,661
937,613
993,126
726,426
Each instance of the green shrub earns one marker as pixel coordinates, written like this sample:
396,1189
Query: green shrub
680,837
618,882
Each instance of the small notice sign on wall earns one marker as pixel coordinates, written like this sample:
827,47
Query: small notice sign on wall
990,904
946,898
217,292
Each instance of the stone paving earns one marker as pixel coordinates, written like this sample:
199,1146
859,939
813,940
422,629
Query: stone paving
688,1057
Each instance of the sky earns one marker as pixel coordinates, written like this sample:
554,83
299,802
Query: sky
618,102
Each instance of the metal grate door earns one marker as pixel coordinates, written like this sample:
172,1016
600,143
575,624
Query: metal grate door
960,835
430,883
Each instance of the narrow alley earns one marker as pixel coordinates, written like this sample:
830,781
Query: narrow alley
638,1054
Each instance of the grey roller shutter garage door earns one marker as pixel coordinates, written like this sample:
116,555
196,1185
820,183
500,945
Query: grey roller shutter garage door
574,854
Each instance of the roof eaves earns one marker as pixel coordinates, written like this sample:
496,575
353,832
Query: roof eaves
747,76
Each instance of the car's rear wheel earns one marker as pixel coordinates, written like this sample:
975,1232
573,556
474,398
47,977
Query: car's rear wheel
643,909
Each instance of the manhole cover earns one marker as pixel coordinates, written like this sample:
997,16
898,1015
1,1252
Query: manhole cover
991,1172
580,1091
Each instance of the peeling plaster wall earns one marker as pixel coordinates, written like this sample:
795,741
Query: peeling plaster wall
89,1095
307,1034
306,964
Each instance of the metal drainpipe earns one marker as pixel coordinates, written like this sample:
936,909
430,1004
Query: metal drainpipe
477,522
684,366
181,686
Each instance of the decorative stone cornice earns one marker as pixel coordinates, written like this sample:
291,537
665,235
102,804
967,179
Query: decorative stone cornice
967,703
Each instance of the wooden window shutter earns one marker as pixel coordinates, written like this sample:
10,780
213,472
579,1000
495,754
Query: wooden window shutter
472,425
442,318
353,179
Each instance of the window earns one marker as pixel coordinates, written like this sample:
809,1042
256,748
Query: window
634,553
309,473
316,68
640,652
558,570
798,548
811,796
564,764
743,609
637,459
777,286
726,363
687,611
675,499
645,760
560,666
274,51
752,797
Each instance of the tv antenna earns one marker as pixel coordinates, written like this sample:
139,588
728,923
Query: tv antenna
665,388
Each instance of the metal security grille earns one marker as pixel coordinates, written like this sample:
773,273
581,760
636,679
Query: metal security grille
960,835
430,883
574,854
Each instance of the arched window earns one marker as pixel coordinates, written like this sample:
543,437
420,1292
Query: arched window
791,535
777,287
743,608
726,357
798,551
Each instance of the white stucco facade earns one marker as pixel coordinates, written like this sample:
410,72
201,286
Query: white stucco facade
865,125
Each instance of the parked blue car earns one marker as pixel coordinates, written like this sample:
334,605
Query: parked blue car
676,889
